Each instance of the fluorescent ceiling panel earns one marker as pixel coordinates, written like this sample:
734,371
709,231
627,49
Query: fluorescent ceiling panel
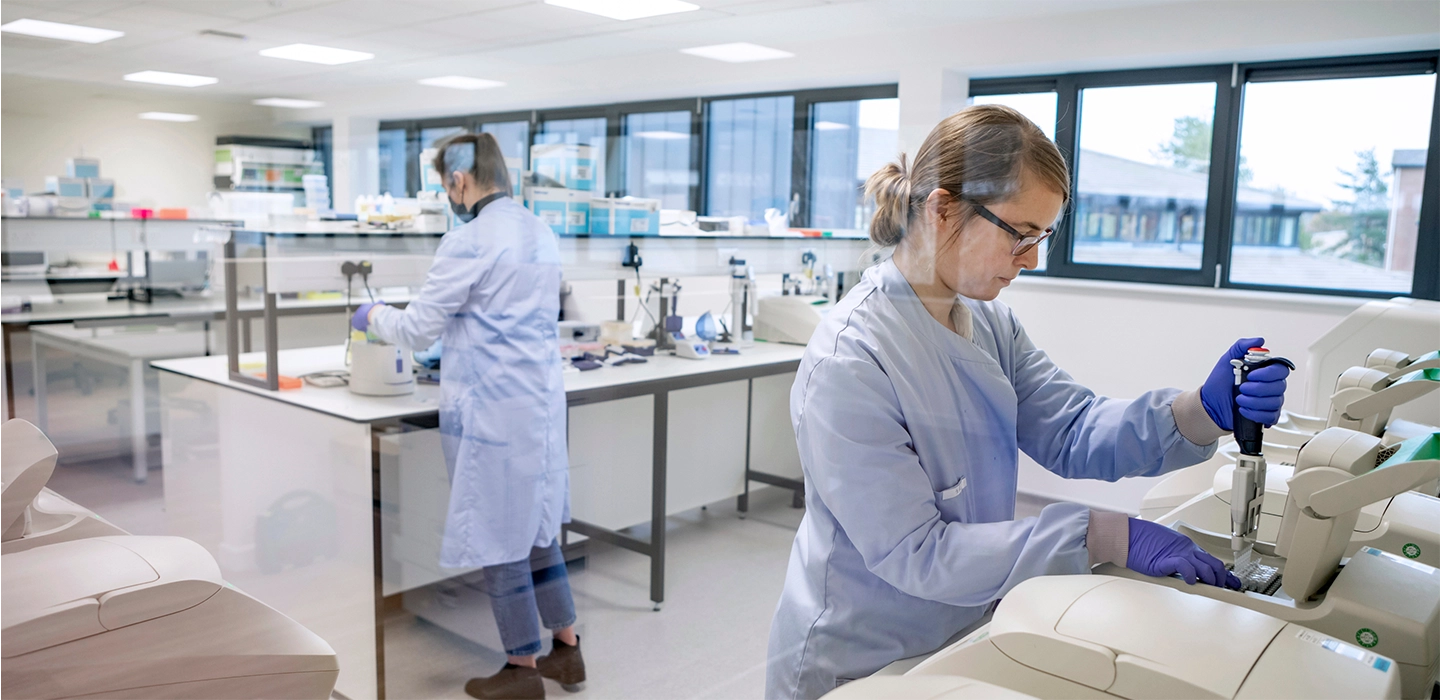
311,53
460,82
830,126
168,116
626,9
58,30
741,52
661,135
160,77
288,103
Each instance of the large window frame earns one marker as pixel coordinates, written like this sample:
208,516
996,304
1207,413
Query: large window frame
1231,81
615,114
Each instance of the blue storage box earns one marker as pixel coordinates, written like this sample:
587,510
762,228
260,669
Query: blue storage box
627,216
570,165
565,211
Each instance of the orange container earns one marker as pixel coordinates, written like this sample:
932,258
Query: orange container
174,213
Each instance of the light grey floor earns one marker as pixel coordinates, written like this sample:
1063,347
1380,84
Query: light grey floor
723,578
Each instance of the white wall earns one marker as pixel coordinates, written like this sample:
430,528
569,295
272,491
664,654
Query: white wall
1122,340
153,164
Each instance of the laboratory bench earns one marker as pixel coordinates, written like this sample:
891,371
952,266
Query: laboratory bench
328,505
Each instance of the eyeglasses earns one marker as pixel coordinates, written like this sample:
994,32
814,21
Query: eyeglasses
1023,242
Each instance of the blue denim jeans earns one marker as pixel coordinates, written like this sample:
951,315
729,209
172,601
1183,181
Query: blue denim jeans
519,589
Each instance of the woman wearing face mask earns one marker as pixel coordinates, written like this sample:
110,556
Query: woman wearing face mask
493,296
914,397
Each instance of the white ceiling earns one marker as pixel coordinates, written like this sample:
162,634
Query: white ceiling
414,39
551,56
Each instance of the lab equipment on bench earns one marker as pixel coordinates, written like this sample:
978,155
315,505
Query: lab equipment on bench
90,610
1093,637
742,304
927,687
378,368
788,318
1385,602
1364,397
1401,324
33,515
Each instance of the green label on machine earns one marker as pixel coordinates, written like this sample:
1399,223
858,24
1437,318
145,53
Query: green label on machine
1367,637
1411,550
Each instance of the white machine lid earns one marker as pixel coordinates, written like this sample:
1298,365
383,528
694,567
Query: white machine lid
1277,490
923,688
1130,638
65,591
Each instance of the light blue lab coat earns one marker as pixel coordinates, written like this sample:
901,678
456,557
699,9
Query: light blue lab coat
908,436
493,290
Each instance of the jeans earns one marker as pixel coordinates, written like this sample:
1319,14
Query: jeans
519,588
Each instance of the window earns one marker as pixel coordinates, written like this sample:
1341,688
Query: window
393,163
324,138
1330,179
849,141
749,161
1143,182
588,131
658,165
1038,107
513,137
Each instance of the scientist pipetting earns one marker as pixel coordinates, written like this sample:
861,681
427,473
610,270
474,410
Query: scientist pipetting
916,394
492,296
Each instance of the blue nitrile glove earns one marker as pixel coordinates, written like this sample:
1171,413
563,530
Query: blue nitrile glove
1156,550
430,357
1260,398
361,320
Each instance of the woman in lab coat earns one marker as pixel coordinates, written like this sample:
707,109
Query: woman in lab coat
914,397
493,297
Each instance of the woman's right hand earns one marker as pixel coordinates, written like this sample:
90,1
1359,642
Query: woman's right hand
1156,550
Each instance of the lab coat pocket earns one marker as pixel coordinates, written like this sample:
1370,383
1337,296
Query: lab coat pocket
951,502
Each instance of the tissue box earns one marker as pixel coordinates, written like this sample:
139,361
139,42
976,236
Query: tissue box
563,210
82,167
569,164
628,216
65,186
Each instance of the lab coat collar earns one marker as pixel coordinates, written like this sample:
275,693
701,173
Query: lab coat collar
902,296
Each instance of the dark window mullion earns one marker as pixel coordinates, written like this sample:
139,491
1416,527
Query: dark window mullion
1225,159
1067,136
1426,281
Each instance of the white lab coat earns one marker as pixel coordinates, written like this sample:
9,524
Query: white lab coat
909,437
493,290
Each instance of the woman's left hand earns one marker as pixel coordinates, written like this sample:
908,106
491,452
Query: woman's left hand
1260,397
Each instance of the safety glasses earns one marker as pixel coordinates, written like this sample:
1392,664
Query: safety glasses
1023,242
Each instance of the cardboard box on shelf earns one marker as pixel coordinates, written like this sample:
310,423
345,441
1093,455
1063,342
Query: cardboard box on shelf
570,165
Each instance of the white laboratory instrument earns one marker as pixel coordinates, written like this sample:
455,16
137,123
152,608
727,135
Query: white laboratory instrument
790,318
147,617
380,369
741,330
1088,637
32,514
1401,324
1385,602
923,688
1364,399
90,611
691,348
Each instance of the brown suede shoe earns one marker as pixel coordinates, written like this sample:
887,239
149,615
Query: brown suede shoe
564,664
511,683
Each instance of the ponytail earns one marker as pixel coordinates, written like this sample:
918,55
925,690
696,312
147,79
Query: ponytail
890,187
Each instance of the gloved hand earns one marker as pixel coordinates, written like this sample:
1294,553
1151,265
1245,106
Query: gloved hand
1260,398
361,320
1156,550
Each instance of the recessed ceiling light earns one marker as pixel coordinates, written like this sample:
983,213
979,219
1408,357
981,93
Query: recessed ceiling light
311,53
168,116
662,135
830,126
738,53
57,30
287,103
160,77
460,82
626,9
